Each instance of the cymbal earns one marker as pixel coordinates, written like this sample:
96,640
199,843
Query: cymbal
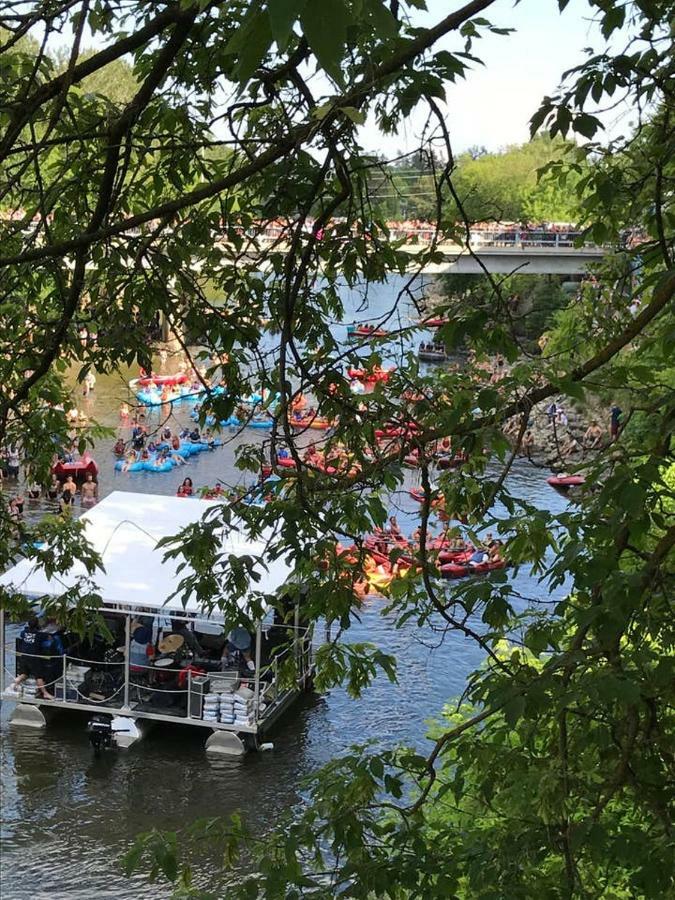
171,643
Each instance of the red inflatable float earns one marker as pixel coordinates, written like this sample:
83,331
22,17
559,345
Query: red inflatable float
79,468
459,570
162,380
563,483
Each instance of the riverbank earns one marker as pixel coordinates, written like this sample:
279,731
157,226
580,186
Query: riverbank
559,436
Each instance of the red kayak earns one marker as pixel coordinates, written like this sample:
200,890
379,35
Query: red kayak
365,331
86,465
435,322
161,380
459,570
455,556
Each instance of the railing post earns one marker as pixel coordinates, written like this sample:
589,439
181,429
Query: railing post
188,710
63,689
127,659
258,653
296,629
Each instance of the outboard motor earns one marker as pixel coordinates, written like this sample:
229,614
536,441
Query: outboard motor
99,729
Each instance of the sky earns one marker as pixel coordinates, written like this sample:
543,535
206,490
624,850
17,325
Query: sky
492,107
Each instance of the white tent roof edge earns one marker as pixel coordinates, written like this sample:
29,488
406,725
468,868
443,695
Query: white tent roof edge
124,528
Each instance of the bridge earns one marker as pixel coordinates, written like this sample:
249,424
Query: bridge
516,259
499,250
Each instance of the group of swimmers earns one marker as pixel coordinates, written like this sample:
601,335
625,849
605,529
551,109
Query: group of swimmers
186,489
61,493
158,452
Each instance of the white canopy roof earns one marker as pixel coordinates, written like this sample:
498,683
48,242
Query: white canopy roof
124,529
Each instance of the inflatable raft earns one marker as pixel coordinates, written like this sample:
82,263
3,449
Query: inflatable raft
78,468
365,331
564,483
371,376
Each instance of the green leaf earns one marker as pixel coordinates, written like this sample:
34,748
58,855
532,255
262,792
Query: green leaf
356,116
586,124
250,44
282,15
325,27
384,23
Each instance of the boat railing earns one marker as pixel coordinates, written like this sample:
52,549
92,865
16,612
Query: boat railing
174,690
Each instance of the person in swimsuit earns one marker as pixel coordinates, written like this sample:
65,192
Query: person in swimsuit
53,488
186,488
34,491
70,488
89,491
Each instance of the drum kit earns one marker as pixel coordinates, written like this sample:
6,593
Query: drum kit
172,652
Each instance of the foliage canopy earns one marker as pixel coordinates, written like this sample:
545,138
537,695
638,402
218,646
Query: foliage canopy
555,777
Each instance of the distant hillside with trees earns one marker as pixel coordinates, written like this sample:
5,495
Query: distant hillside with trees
503,185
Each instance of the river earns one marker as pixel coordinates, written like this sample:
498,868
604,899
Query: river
67,818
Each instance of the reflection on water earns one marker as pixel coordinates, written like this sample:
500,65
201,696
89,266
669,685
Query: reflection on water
67,818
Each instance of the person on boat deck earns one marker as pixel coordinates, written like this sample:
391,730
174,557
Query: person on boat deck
238,641
141,638
188,635
29,643
478,557
50,644
89,491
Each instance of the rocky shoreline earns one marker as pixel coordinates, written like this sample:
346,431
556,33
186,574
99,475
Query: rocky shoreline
560,441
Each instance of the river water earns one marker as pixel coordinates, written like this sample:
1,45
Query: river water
67,818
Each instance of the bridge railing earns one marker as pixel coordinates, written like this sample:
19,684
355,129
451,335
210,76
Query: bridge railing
480,238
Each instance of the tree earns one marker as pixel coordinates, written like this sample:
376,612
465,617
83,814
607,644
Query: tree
114,214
